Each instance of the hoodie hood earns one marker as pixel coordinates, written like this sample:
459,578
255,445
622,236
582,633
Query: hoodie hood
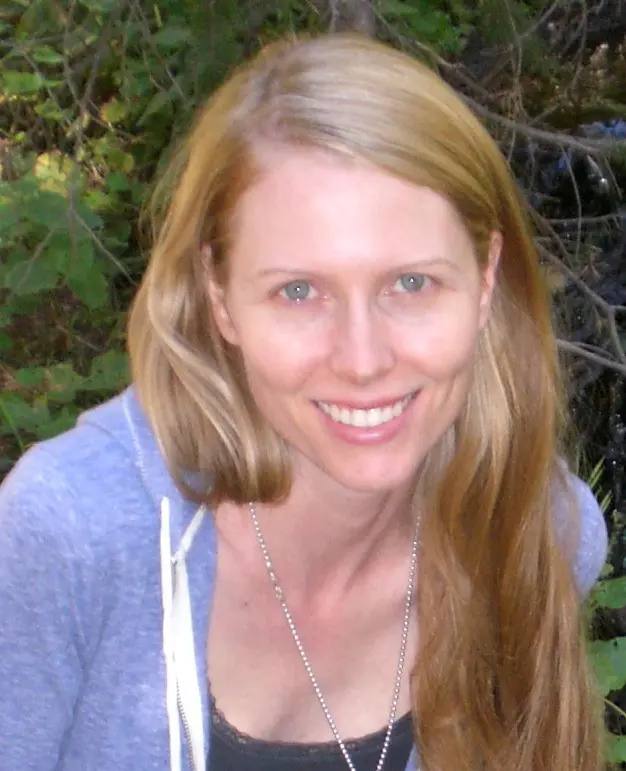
124,420
180,522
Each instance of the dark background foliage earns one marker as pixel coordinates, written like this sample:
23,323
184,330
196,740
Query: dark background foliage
94,92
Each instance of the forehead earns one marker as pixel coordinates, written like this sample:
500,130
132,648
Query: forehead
313,209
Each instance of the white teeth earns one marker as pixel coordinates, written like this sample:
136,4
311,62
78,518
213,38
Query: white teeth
357,418
374,417
366,418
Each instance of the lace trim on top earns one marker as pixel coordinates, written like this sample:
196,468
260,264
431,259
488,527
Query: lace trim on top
403,727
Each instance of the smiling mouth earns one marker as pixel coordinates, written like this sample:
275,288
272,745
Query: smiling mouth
372,418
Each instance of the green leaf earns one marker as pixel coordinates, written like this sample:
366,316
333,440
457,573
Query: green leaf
118,159
99,200
608,658
117,182
113,111
172,35
158,102
46,208
28,185
109,372
51,111
6,342
610,593
101,6
56,172
60,251
9,215
30,377
86,279
46,55
62,421
62,382
16,414
18,83
616,752
31,276
424,21
88,216
400,8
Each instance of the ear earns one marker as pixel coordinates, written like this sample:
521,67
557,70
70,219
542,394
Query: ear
490,274
218,300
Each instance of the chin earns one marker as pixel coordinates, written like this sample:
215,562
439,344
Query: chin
383,479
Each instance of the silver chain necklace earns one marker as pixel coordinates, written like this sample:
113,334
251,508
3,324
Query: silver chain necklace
280,596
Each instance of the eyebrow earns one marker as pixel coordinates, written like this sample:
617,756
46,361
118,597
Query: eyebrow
407,267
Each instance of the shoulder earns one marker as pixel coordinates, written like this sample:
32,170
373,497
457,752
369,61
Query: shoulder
79,583
80,495
87,465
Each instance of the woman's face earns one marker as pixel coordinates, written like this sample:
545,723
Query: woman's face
356,301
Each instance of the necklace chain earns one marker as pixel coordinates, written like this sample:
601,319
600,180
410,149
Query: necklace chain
280,596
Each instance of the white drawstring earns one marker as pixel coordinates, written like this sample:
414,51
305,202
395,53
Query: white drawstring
167,592
182,690
184,647
183,697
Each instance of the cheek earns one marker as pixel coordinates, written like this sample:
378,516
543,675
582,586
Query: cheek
274,350
279,378
280,362
446,345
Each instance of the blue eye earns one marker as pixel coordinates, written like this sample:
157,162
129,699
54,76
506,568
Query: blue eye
297,291
411,283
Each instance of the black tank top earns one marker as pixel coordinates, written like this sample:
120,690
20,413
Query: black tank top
232,750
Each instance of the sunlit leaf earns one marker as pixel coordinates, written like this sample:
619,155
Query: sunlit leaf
608,658
616,749
113,111
17,83
611,593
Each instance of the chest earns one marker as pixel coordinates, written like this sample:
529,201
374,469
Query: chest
260,681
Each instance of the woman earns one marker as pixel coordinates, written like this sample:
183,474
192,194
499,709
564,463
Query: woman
340,449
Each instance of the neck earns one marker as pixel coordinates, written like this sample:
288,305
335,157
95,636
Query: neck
324,539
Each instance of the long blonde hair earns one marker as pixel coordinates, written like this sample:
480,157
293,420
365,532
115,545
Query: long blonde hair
501,682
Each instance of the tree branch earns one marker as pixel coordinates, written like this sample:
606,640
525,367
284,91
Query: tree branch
355,15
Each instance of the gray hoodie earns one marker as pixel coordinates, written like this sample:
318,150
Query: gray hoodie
106,577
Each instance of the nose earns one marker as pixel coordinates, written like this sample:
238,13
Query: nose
361,352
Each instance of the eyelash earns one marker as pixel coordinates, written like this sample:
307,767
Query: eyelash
281,292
